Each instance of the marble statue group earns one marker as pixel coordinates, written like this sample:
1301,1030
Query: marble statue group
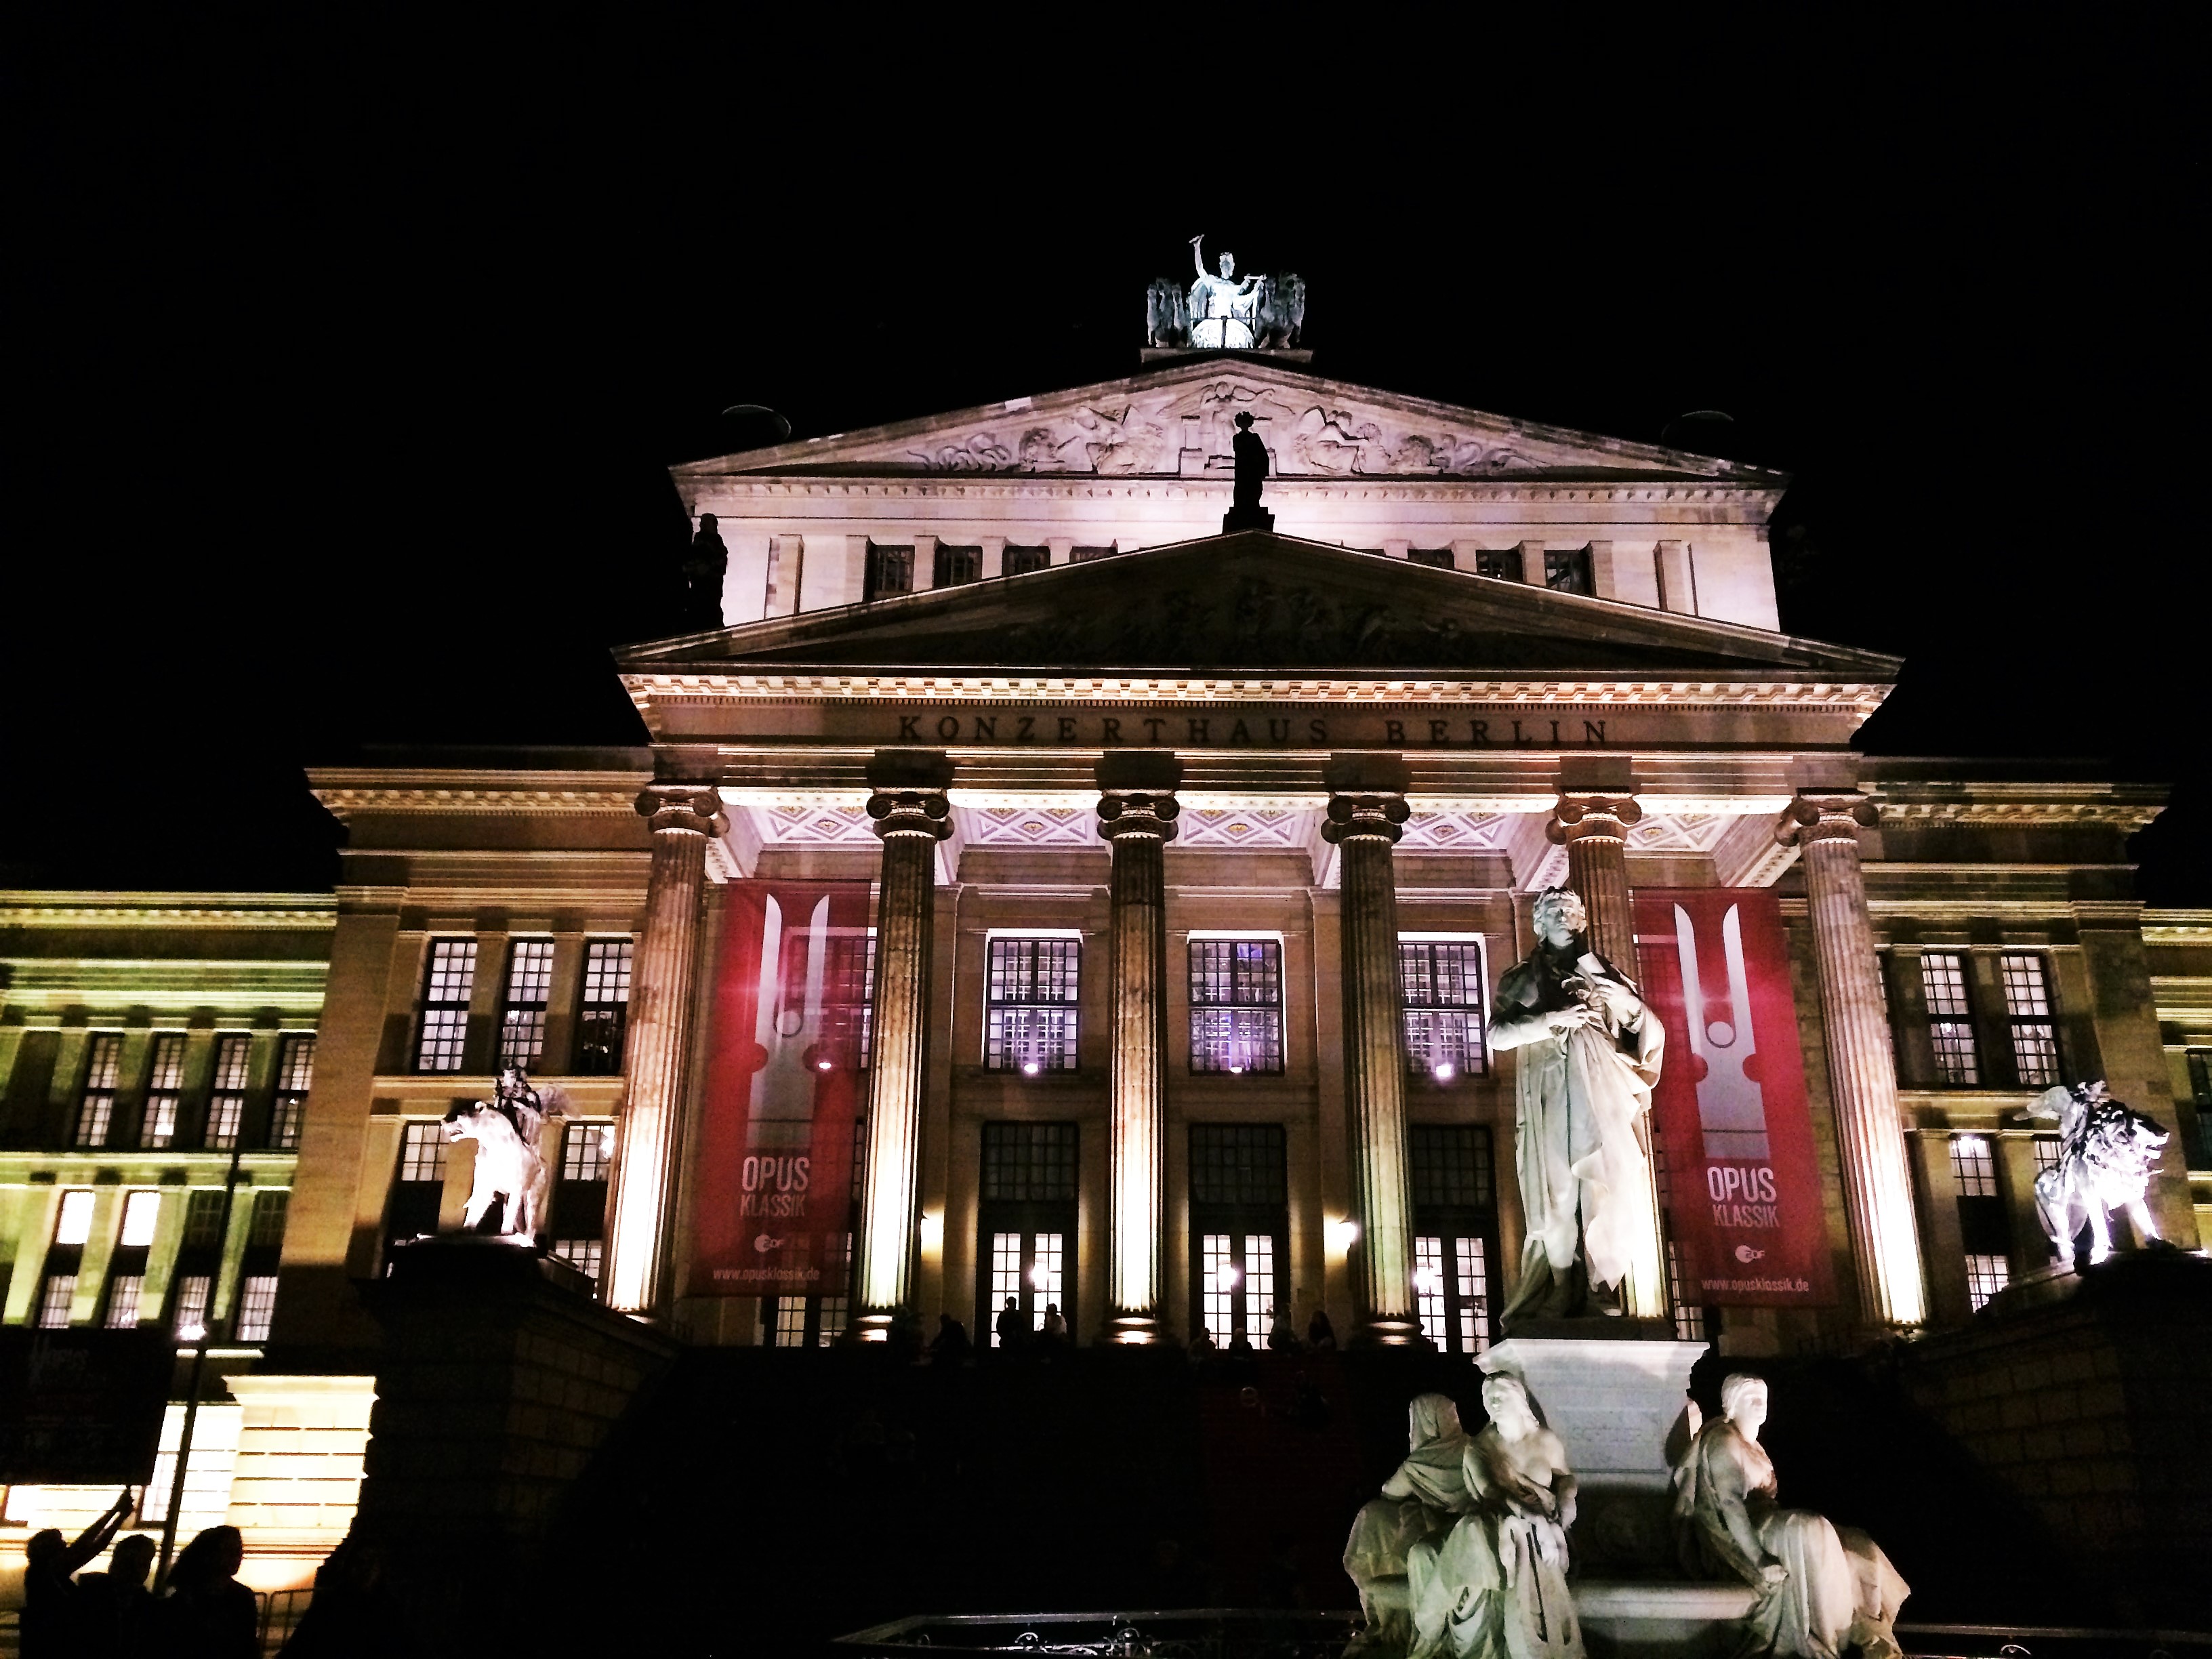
508,1131
1466,1553
1223,311
2106,1152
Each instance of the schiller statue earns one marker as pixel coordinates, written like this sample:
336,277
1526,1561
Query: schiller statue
1589,1054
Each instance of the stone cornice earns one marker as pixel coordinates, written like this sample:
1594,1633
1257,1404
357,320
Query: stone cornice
1701,493
2125,814
310,911
346,792
2172,926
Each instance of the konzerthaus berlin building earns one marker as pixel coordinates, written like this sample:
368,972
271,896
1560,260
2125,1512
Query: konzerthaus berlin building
1033,892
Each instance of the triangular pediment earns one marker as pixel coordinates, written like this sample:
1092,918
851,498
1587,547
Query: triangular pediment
1256,601
1175,420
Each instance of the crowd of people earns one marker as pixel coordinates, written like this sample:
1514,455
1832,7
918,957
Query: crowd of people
201,1611
1018,1334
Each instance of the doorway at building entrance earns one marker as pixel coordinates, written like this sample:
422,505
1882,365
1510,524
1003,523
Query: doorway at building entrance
1025,1247
1240,1228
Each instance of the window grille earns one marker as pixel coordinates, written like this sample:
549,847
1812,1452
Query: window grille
1030,1163
2046,1152
1499,563
1950,1017
1259,1285
584,1152
233,1051
295,1075
1567,571
1985,1276
124,1292
1006,1275
1690,1324
1236,1011
1429,1291
55,1301
96,1110
2035,1033
890,570
422,1152
257,1307
1220,1271
1032,1014
165,1082
445,987
194,1290
271,1208
956,567
529,988
603,1014
1020,561
1451,1166
203,1219
790,1322
1440,982
2200,1094
848,990
586,1255
1237,1164
1973,1167
1436,558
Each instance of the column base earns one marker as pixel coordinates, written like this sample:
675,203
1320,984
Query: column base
1133,1329
1388,1331
874,1324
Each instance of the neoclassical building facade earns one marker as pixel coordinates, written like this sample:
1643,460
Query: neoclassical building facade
1034,900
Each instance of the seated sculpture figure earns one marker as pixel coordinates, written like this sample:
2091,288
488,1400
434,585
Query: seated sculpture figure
1496,1587
1419,1502
2107,1152
1823,1589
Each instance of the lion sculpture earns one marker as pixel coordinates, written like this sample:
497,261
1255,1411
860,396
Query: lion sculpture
2106,1156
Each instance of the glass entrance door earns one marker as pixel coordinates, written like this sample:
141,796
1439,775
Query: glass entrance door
1032,1269
1237,1286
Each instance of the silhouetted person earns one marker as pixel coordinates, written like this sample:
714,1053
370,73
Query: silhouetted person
354,1614
50,1599
1319,1334
1202,1347
208,1613
1245,511
112,1606
1013,1330
1281,1338
704,567
1054,1335
1240,1346
950,1346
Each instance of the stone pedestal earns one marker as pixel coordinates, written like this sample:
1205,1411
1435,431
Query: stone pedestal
1617,1404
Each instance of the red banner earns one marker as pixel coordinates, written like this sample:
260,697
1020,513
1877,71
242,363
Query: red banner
1744,1200
784,1095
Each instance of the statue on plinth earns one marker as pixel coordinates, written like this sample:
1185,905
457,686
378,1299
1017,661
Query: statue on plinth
1496,1586
1419,1505
1223,310
1245,511
2106,1152
508,1131
1822,1588
1590,1051
704,567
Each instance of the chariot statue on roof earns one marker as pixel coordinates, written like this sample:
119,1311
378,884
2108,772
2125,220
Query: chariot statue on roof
1224,312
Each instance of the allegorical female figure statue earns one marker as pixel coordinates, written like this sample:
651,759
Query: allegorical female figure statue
1823,1589
1496,1587
1589,1054
1221,309
1419,1502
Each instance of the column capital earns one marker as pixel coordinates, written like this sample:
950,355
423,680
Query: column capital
1579,815
911,812
1135,812
689,808
1825,814
1378,815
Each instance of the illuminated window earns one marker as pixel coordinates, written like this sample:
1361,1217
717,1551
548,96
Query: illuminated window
1006,1276
295,1075
422,1152
1473,1260
586,1255
1436,558
193,1294
522,1016
226,1104
1454,1216
956,567
603,1014
1219,1268
1501,564
1985,1276
73,1224
1429,1291
833,1310
54,1301
1690,1324
1027,1216
165,1082
1950,1017
890,571
1236,1004
142,1216
2034,1034
1567,571
203,1219
584,1152
2046,1152
96,1110
1973,1166
790,1321
1239,1198
1020,561
1030,1016
257,1307
450,978
124,1291
1441,985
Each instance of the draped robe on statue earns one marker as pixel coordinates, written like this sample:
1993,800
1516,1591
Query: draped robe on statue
1418,1502
1581,1143
1496,1587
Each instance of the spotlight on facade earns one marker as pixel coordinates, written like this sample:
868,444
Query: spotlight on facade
1343,1233
1030,1069
1429,1282
1443,1071
1038,1275
822,1065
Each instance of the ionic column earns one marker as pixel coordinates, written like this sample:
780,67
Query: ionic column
1595,829
912,815
1137,811
1862,1069
683,815
1366,806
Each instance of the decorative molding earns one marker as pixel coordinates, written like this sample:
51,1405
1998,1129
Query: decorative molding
306,911
1756,499
618,801
1273,827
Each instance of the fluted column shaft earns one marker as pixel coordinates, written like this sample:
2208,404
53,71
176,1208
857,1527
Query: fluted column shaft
1862,1068
1364,827
649,1136
911,822
1137,824
1595,829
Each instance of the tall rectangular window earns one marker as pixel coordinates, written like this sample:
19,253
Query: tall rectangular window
1973,1167
587,1256
1236,1004
1986,1274
446,984
95,1110
194,1292
2034,1032
257,1307
1501,564
1440,982
1239,1220
1982,1224
55,1300
126,1264
848,992
956,567
1454,1223
1020,561
295,1075
423,1153
165,1083
603,1013
64,1259
1567,571
233,1051
1950,1017
418,1186
890,571
1436,558
272,1207
1690,1324
1026,1220
522,1015
1031,1006
2200,1095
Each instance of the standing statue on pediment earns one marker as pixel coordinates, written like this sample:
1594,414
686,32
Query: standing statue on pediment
704,568
1223,310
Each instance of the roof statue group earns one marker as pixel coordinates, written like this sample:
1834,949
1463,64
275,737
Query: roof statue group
1258,313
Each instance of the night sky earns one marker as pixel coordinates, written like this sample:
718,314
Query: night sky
345,368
